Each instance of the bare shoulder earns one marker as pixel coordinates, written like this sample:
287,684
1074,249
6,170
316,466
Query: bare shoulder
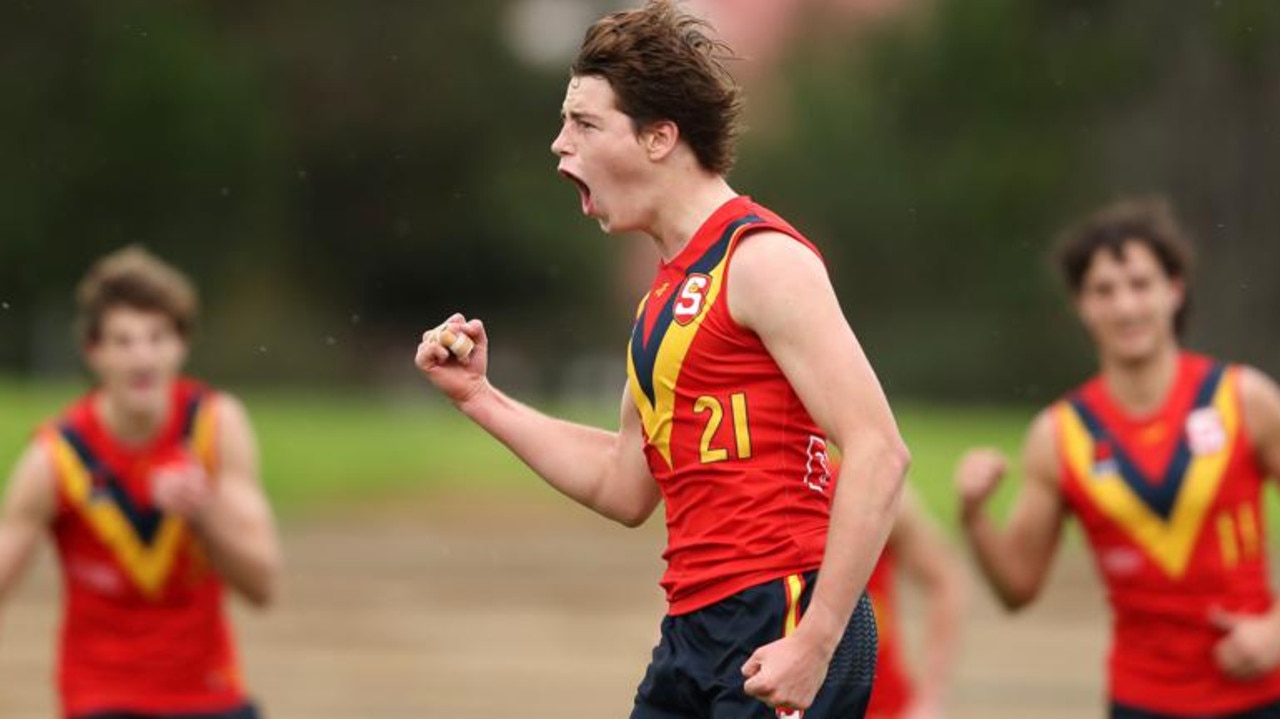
772,273
771,254
1256,388
1040,454
232,416
1260,401
32,483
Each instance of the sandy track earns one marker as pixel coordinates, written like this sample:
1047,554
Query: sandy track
488,609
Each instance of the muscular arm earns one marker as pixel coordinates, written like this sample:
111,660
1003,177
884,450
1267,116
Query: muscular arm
929,563
29,504
779,289
1015,560
605,471
236,526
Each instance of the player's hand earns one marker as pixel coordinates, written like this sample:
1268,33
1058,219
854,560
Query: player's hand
182,489
786,674
459,379
1250,645
977,476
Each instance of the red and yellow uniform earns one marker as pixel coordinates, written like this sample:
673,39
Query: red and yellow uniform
143,626
1170,504
741,465
891,692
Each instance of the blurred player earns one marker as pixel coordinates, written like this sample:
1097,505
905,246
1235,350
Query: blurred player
149,487
917,552
736,381
1161,457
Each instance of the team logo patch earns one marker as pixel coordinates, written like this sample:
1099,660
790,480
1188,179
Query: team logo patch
1205,432
691,298
1104,460
790,713
818,468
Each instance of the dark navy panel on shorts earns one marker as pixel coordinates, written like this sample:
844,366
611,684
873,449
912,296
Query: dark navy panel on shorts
696,671
1269,711
248,711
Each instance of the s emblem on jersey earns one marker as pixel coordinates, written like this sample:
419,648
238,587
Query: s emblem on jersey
1205,431
691,298
818,469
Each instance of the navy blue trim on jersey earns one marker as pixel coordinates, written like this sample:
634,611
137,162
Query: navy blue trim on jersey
145,522
1161,495
644,354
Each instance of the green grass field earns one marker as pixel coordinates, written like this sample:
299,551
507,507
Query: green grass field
323,447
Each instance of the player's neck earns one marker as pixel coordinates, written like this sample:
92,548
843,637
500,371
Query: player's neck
1140,387
685,205
129,427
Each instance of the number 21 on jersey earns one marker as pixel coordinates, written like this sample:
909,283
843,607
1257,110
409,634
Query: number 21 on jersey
714,407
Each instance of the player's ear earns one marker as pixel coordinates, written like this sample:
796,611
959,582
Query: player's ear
659,139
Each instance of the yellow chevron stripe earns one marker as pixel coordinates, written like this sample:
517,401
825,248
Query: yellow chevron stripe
147,566
1169,544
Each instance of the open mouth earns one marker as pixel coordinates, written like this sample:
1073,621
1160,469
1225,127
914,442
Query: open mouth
584,192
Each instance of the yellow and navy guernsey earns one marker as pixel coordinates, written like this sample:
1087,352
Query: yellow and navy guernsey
1171,506
741,464
143,626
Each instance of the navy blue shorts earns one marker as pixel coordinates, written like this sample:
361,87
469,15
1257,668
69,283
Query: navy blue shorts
1269,711
248,711
696,672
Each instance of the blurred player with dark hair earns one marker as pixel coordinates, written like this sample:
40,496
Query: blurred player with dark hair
1161,457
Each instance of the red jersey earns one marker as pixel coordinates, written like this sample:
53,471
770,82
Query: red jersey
741,464
891,692
143,627
1170,505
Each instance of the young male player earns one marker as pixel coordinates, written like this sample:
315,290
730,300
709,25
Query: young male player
741,368
149,488
1161,457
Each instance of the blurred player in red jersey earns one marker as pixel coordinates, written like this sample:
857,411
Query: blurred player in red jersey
1161,457
149,487
917,552
736,382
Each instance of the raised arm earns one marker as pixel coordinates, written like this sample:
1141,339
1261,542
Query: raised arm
928,561
29,505
605,471
779,289
1014,560
230,515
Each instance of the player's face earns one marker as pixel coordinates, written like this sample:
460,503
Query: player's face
1128,303
602,155
137,358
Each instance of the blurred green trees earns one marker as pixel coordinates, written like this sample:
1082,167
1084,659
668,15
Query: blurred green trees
336,175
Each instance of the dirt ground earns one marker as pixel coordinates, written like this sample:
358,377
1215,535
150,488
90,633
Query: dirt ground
530,608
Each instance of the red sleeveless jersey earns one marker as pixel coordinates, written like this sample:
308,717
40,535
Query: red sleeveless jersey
891,692
741,464
143,627
1170,504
